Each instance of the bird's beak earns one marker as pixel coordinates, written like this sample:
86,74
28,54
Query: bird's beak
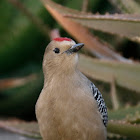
75,48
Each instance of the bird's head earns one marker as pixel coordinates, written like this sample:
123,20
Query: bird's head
61,55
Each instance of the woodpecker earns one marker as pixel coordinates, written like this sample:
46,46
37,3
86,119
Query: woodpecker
69,107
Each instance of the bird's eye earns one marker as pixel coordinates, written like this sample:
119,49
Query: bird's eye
56,50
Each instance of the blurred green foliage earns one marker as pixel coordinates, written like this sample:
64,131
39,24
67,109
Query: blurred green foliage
22,46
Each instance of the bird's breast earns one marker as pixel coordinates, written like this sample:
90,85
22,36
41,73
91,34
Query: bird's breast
68,111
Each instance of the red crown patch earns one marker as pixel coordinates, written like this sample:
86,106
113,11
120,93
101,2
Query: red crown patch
62,39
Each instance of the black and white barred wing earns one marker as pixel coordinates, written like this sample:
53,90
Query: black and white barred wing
101,104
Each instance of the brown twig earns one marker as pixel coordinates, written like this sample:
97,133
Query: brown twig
54,33
14,82
85,6
115,101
